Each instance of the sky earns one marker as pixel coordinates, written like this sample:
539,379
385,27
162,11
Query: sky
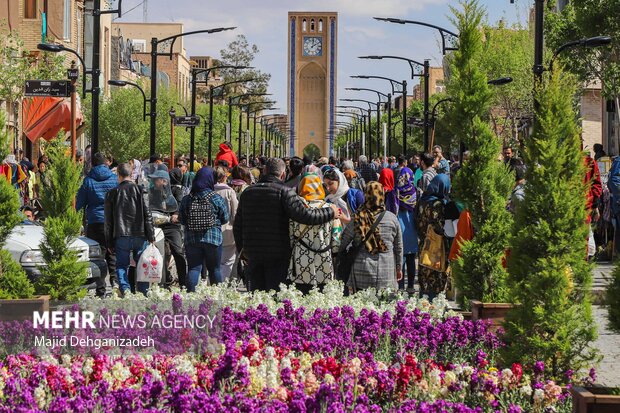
264,23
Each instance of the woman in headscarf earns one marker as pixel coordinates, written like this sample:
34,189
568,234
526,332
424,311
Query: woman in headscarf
311,262
173,230
203,212
229,250
431,213
345,198
378,262
407,199
241,179
386,178
136,169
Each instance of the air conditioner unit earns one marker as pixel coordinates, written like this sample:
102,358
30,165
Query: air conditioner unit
139,45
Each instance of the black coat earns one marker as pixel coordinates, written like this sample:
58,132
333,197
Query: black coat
126,213
261,225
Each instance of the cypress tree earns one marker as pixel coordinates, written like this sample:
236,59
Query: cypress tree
483,184
13,280
549,274
63,275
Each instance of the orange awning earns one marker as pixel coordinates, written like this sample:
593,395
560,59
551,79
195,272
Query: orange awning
45,116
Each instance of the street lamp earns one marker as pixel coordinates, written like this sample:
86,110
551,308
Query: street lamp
592,42
195,73
499,82
403,86
123,83
211,94
389,105
155,42
442,31
370,110
250,112
230,105
426,74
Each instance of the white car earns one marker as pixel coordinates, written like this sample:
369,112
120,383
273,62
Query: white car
24,246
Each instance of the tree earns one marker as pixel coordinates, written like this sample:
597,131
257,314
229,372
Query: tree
63,274
13,280
588,18
240,53
483,184
549,274
509,51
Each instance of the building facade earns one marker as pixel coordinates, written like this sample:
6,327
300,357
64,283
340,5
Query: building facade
176,71
312,72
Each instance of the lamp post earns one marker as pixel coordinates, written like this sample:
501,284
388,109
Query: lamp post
247,121
426,75
445,33
389,104
403,86
194,82
155,42
361,125
230,105
253,112
370,110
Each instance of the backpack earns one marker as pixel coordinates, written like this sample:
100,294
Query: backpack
201,214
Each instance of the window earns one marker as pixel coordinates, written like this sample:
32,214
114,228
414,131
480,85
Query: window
303,25
312,25
30,9
66,17
320,25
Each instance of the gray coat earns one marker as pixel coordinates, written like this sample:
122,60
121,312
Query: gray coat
379,270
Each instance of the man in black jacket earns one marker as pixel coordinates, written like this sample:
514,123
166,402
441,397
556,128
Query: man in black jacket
261,226
128,225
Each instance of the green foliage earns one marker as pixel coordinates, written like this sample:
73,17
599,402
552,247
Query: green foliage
64,179
483,184
549,274
613,299
13,280
582,19
240,53
509,51
16,66
63,275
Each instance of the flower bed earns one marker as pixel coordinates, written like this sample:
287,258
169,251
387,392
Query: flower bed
290,353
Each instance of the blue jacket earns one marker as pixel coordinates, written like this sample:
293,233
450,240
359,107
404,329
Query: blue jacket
613,184
355,199
92,193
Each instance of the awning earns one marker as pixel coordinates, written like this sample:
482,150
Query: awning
45,116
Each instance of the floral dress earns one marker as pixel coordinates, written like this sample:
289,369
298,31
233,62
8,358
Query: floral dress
432,282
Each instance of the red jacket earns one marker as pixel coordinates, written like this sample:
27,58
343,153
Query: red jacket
227,154
594,187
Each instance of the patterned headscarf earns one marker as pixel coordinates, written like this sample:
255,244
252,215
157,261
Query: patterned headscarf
438,189
407,196
311,188
374,203
350,174
386,178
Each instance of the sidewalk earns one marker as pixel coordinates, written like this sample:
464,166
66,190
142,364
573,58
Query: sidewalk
608,342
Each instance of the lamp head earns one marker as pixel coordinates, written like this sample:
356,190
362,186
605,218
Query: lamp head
500,81
51,47
220,29
352,88
360,77
390,19
597,41
114,82
373,57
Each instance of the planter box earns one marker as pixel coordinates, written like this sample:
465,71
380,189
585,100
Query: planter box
466,315
594,400
496,312
21,309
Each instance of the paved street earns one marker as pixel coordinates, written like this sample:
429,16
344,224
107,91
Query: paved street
608,342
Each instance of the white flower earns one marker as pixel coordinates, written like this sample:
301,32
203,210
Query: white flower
526,390
539,395
40,396
120,372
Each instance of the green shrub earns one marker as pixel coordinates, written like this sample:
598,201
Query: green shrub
63,275
612,299
13,280
549,274
483,184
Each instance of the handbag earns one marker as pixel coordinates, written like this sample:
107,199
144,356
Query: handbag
347,257
433,254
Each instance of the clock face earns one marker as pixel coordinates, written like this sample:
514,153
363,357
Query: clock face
313,46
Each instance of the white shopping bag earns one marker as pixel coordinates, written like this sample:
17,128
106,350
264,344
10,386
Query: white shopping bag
150,265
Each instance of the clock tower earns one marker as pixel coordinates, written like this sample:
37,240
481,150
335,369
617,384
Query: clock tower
312,48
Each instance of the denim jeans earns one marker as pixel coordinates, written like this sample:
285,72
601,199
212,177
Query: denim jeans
197,254
123,247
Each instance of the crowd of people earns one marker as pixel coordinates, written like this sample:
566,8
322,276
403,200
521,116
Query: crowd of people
370,222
